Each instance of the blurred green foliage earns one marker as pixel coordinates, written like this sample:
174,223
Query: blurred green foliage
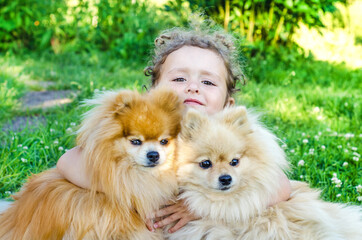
125,27
271,21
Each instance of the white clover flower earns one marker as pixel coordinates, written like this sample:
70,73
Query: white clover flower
25,148
339,146
46,147
316,137
69,130
12,138
56,142
20,145
305,141
284,146
360,135
24,160
338,195
293,73
359,188
8,192
301,176
319,133
359,198
356,159
72,124
346,150
316,109
41,141
319,117
336,181
303,134
60,148
354,148
356,154
349,135
292,150
51,130
301,163
328,130
323,147
345,164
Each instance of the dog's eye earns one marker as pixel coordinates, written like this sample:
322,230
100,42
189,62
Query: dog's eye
234,162
164,141
136,142
205,164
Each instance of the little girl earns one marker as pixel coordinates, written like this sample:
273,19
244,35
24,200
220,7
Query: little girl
201,65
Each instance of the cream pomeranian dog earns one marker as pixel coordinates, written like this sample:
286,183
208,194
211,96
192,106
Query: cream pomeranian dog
228,170
128,141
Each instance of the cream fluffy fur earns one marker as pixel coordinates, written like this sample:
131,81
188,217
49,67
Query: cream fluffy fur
242,212
49,207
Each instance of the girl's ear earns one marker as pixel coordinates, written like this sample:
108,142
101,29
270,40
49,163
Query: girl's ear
230,102
191,124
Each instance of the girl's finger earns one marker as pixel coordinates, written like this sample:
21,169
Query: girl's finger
166,211
149,225
167,220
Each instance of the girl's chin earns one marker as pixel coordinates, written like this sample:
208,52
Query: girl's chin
198,107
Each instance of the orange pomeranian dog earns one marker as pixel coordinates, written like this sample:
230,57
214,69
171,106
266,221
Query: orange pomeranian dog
128,142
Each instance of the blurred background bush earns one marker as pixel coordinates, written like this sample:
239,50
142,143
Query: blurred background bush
126,28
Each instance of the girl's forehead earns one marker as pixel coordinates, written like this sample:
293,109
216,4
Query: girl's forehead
189,57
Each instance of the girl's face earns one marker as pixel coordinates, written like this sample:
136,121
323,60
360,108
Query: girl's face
198,76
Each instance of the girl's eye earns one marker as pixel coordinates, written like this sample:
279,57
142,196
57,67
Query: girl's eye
164,141
206,82
205,164
136,142
179,79
234,162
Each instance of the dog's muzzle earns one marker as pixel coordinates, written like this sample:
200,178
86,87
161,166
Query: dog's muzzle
225,181
152,158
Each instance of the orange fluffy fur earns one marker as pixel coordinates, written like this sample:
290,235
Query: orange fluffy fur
50,207
241,212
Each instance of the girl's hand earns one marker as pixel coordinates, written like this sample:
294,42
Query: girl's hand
176,212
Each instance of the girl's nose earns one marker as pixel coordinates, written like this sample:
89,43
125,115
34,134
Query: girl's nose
192,88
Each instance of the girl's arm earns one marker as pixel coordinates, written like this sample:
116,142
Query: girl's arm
72,166
179,212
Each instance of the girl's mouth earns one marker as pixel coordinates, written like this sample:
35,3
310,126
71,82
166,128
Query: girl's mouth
191,101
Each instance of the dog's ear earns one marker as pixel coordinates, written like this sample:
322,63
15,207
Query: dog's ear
123,100
166,99
235,116
192,123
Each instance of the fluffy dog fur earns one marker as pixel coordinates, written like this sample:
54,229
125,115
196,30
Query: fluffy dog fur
128,142
231,194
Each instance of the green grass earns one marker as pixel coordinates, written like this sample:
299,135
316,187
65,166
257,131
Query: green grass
314,107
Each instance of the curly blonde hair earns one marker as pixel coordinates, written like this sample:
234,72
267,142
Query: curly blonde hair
202,36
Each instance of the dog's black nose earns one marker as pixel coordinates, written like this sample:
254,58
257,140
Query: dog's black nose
225,180
153,156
